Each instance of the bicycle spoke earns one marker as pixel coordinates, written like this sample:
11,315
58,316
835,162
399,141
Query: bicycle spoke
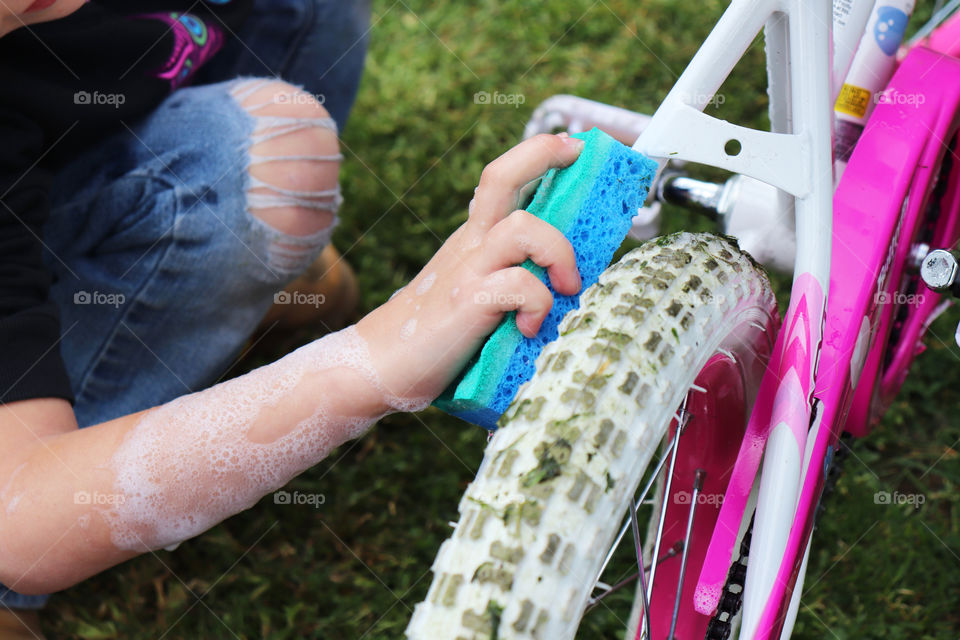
643,594
666,494
682,417
694,496
645,587
595,600
636,505
940,13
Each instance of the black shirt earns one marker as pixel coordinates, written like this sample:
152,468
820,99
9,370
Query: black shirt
64,85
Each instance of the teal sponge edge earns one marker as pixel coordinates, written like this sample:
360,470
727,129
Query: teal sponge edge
592,202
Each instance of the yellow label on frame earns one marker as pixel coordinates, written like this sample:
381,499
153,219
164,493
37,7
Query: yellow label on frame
853,101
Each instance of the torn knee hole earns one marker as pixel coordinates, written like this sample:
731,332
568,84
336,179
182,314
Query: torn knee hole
306,205
266,96
294,158
288,122
295,221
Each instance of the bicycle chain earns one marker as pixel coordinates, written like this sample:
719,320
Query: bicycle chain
731,599
721,624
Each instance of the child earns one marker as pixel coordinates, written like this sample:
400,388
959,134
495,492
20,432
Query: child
167,217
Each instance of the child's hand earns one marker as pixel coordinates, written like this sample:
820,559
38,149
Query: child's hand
424,335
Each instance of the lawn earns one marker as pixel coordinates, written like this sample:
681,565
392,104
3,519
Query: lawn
354,566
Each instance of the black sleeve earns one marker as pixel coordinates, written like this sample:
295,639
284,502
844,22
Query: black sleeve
30,361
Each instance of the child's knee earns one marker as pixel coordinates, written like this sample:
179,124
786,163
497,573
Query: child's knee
294,158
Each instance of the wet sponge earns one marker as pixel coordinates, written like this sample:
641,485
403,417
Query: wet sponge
592,202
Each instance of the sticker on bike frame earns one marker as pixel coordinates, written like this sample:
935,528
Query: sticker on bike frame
853,101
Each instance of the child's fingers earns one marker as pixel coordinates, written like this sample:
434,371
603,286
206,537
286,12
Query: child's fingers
503,179
522,235
516,289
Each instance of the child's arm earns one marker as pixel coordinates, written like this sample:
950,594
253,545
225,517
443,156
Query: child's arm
74,502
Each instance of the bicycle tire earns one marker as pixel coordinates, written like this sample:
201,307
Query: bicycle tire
560,472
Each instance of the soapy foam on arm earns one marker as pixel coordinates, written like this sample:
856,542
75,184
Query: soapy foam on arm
193,462
426,283
408,329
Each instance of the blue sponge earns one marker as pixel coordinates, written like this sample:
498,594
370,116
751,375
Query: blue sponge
592,202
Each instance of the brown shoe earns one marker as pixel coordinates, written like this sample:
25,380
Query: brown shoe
20,624
325,296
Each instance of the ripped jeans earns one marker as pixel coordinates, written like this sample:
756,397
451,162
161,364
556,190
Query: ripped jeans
169,239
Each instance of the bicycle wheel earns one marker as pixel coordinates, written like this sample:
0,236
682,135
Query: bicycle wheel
537,522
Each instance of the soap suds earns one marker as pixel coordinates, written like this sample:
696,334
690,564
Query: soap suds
14,501
528,245
193,462
496,279
427,282
408,329
706,597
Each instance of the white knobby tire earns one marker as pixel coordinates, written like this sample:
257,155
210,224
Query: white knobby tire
558,475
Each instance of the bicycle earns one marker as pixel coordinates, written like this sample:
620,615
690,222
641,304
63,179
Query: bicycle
681,340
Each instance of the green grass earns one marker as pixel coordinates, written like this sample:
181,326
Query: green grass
414,149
